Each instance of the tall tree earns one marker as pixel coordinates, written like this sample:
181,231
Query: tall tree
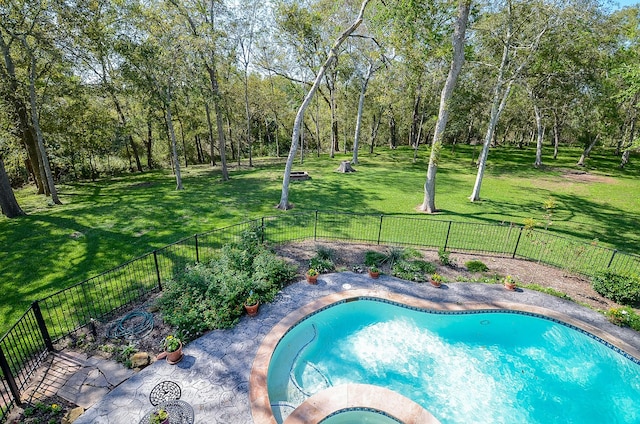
521,37
295,137
428,205
201,17
8,203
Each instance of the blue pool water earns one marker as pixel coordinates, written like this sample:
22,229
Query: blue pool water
481,367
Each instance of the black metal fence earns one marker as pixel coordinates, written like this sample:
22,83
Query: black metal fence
29,341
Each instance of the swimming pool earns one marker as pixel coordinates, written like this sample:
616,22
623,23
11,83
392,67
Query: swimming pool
466,366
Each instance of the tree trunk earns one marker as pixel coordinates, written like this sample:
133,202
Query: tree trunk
500,95
149,143
8,203
363,91
335,147
428,204
24,129
587,151
375,125
393,135
416,117
556,134
210,128
284,198
540,132
174,147
36,126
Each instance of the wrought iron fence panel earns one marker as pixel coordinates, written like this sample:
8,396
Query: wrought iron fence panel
6,400
347,226
412,231
290,227
98,297
483,238
561,252
24,349
624,263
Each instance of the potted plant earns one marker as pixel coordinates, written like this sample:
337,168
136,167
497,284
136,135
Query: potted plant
436,279
312,276
374,272
161,416
509,283
251,304
173,349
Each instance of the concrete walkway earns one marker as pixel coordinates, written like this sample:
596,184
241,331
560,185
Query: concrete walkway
214,374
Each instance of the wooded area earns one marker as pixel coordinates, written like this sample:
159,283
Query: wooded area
90,88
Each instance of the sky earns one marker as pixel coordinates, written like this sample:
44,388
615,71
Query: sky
623,3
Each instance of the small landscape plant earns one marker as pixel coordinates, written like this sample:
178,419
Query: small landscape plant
171,343
158,417
621,288
322,261
372,257
252,299
321,265
476,266
436,278
374,268
312,272
624,317
414,270
445,258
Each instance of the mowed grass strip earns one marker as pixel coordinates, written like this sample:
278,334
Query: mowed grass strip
108,222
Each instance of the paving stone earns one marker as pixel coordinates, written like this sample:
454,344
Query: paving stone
72,415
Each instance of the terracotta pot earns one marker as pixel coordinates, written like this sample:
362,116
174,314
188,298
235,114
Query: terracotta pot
510,286
175,356
252,310
435,283
312,279
374,274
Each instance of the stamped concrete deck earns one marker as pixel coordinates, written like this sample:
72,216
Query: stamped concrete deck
215,372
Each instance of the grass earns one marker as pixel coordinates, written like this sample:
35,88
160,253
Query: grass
105,223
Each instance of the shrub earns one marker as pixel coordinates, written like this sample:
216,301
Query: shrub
209,296
476,266
621,288
321,265
444,258
372,258
624,317
416,270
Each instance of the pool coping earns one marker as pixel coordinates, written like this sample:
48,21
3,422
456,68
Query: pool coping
258,395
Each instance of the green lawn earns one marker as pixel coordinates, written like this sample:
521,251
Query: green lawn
105,223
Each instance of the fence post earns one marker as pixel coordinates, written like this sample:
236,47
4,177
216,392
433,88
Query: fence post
446,241
35,306
8,376
517,244
380,228
315,226
197,251
155,259
613,255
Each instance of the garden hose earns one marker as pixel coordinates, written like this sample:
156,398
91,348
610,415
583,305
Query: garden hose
123,328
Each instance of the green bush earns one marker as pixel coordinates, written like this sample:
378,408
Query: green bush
624,317
322,261
444,258
621,288
209,296
476,266
416,270
372,258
